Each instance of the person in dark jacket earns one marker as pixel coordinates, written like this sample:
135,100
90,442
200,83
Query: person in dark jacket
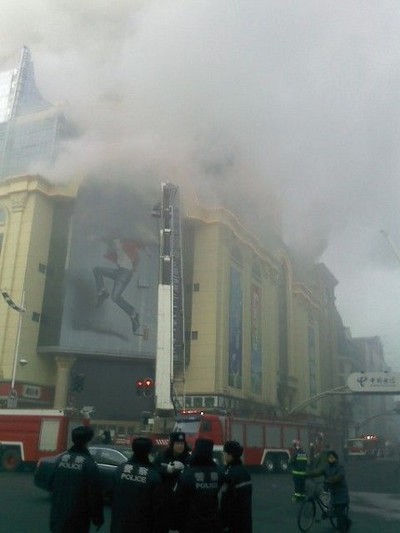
197,491
335,482
298,465
236,494
77,497
170,463
135,500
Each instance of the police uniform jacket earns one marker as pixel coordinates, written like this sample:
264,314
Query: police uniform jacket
236,499
135,500
162,461
197,497
77,497
169,484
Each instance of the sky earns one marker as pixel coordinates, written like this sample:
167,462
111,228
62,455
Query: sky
243,98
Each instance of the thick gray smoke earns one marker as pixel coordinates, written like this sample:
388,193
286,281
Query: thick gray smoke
242,99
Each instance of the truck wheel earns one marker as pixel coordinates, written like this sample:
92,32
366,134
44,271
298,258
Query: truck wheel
283,464
269,464
11,460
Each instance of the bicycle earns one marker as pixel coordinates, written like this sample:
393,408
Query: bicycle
315,508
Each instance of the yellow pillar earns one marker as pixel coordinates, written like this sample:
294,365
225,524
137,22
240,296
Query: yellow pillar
64,365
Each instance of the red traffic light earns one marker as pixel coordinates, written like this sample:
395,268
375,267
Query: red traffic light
148,387
145,387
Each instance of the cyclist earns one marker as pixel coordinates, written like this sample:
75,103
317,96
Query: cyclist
298,466
335,482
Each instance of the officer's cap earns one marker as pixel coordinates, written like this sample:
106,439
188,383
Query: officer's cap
177,436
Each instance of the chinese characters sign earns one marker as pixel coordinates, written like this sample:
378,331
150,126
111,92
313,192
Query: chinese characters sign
369,382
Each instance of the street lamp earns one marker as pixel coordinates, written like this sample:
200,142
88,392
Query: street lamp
13,395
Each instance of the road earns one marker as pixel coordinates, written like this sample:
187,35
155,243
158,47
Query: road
374,490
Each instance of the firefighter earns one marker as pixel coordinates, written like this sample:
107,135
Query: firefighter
236,494
197,491
77,497
298,466
136,497
170,463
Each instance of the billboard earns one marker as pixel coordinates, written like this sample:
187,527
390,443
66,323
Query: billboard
256,347
235,329
110,294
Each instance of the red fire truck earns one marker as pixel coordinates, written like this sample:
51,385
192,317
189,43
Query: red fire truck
26,435
364,447
266,443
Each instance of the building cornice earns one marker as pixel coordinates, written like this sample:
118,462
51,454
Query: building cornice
31,183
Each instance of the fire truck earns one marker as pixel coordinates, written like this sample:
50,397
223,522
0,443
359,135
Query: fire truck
26,435
266,443
364,447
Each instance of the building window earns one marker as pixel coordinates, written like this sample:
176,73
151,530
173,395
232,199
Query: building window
198,402
36,317
42,268
209,401
195,335
196,287
188,401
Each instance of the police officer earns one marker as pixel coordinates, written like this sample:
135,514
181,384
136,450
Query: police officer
77,497
298,466
136,500
170,463
197,491
236,495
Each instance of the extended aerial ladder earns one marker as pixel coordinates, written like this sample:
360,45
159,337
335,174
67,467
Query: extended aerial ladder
170,328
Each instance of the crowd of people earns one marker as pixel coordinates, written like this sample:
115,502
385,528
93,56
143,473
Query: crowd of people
179,491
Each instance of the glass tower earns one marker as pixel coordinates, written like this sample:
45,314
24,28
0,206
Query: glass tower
30,127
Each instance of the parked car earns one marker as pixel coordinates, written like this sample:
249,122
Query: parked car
107,457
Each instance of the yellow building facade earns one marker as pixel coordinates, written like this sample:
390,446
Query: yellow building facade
293,338
260,337
27,210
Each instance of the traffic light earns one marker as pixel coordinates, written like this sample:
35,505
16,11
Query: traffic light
139,387
148,387
77,383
